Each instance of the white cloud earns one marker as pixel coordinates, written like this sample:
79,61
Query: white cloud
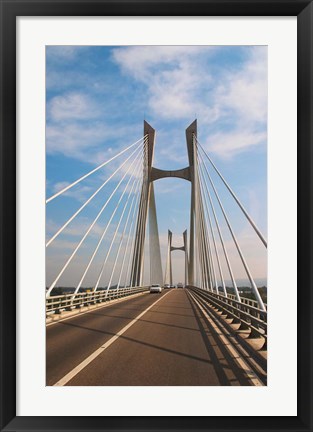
81,192
75,139
242,100
171,90
72,106
180,85
228,144
139,60
167,187
244,92
170,74
65,245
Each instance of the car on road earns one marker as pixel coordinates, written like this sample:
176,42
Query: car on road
172,286
180,285
155,288
166,286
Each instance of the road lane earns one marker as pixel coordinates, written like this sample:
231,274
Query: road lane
70,341
171,345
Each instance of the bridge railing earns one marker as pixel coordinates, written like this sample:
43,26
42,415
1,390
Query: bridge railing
245,300
241,312
68,302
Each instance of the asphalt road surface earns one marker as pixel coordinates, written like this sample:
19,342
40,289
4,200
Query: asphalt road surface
124,344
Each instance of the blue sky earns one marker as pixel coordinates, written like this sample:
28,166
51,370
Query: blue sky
96,101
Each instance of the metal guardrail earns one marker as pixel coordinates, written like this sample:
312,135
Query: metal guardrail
245,300
68,302
246,314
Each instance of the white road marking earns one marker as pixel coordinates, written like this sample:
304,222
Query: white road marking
100,350
234,353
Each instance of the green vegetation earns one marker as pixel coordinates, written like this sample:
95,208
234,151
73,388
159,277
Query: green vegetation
247,292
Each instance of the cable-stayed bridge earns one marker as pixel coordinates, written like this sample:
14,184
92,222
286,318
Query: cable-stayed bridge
113,332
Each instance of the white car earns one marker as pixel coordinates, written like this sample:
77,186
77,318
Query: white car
155,288
167,286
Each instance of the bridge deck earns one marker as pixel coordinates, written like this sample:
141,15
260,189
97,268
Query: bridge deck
171,344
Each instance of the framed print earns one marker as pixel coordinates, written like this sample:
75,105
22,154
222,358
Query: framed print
156,215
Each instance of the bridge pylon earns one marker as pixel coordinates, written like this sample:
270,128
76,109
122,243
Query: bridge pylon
169,267
147,208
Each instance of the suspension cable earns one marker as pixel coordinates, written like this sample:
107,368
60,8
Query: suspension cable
89,199
222,243
208,240
135,274
137,232
140,214
134,231
131,250
131,254
138,238
129,235
206,245
91,172
88,231
197,250
144,226
114,236
252,223
214,242
253,285
122,237
198,266
104,232
200,241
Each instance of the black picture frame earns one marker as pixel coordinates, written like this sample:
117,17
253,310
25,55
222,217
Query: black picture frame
10,9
